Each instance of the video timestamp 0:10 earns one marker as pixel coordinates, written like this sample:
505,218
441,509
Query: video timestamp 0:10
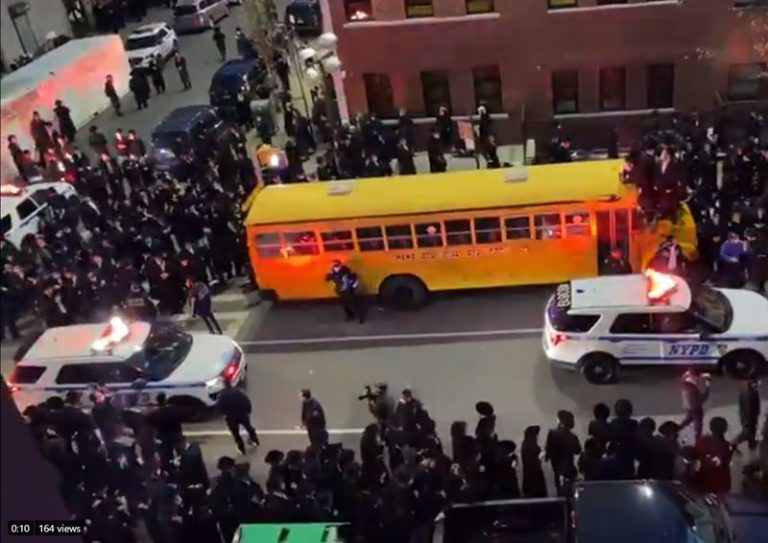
20,528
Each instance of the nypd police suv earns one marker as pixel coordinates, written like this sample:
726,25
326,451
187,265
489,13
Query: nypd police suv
597,326
133,361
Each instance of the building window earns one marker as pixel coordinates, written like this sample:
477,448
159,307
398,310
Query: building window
660,81
557,4
613,89
437,91
419,8
480,6
748,82
565,91
378,91
358,10
488,88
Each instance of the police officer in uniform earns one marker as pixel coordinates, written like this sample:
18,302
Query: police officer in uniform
346,282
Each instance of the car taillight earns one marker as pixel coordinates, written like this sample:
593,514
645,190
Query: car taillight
557,338
230,371
200,20
12,387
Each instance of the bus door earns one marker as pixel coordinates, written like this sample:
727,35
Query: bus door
613,254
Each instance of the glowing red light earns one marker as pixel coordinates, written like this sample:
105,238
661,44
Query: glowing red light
116,331
557,338
659,284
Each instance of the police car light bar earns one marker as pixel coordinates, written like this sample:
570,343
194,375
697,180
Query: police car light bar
116,331
10,190
659,285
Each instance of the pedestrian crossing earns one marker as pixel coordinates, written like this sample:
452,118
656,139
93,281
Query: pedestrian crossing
231,308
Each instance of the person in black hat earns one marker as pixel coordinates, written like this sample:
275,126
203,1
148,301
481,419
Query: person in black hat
312,417
485,431
236,408
667,450
749,413
534,484
561,449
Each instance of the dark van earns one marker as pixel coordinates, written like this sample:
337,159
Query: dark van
187,132
305,17
234,78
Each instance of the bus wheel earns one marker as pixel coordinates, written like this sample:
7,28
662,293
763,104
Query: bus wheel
403,292
599,368
192,409
743,364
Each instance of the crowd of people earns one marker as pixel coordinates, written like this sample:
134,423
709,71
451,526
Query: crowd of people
133,238
124,471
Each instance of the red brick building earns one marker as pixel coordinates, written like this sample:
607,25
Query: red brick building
585,63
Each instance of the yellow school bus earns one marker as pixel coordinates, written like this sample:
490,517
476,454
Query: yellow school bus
411,235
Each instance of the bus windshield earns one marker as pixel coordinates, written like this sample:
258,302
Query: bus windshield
713,308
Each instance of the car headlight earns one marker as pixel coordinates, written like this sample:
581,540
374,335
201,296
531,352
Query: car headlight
291,19
216,382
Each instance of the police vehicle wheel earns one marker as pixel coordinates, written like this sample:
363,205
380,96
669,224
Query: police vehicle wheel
192,409
403,292
743,364
599,368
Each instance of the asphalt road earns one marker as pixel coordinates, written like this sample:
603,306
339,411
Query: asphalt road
202,61
460,349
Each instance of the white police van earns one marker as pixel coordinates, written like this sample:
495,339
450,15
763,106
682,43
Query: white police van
22,208
134,361
597,326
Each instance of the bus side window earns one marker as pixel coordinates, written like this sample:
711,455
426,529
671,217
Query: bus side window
577,224
268,245
399,236
370,238
638,222
548,226
487,230
518,227
340,240
429,235
458,232
301,243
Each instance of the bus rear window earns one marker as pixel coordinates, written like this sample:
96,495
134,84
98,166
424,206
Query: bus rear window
26,375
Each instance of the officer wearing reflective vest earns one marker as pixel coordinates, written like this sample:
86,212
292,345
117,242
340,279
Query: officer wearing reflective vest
345,282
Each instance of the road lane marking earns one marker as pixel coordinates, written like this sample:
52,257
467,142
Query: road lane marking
384,337
294,432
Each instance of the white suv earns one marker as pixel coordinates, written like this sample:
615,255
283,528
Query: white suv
149,41
598,325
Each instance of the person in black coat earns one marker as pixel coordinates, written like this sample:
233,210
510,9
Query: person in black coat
156,66
624,436
221,43
111,93
435,154
166,420
599,428
236,408
405,162
749,413
66,124
312,417
16,152
202,306
40,135
534,484
561,448
181,66
140,88
405,127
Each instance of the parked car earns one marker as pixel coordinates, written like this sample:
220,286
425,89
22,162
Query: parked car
185,133
235,78
305,17
148,41
22,208
198,15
